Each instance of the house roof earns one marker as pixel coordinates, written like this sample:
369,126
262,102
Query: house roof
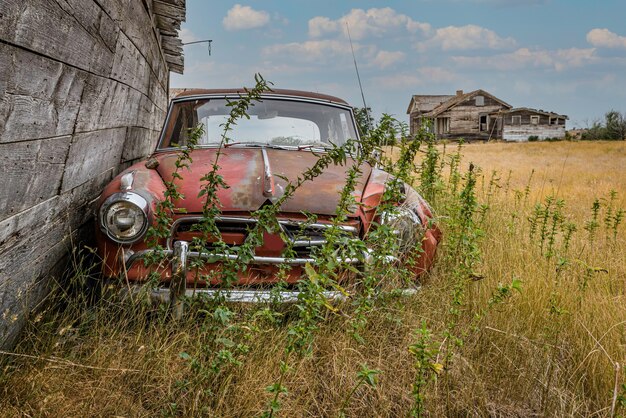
528,109
460,98
427,102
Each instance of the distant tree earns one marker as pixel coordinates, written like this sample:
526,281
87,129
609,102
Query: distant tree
612,128
615,125
364,119
595,132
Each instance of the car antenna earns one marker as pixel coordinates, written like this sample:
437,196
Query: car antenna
209,41
367,113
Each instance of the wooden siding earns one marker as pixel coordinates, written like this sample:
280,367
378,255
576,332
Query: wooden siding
521,133
465,117
518,125
420,105
458,116
83,93
525,118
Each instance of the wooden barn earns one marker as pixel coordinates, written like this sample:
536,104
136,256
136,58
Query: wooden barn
83,95
464,115
521,124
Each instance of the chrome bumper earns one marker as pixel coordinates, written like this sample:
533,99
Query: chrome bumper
181,250
180,255
163,295
244,296
214,258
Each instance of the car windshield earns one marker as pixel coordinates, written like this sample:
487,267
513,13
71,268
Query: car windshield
272,122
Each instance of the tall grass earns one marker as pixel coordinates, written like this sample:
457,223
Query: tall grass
522,315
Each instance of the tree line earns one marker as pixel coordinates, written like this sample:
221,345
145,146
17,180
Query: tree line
613,127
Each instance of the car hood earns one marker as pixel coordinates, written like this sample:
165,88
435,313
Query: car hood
257,176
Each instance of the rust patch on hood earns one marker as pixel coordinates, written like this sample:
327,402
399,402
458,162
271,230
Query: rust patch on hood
245,172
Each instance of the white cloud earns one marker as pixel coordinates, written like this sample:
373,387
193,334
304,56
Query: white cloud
466,38
573,57
186,35
365,23
245,17
604,38
423,76
522,58
333,51
384,59
320,25
310,51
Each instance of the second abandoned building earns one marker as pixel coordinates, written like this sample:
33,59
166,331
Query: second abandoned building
479,115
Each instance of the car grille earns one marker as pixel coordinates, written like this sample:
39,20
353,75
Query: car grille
301,236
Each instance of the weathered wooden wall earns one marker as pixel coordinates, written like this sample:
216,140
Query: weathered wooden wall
422,104
83,92
521,133
464,119
520,130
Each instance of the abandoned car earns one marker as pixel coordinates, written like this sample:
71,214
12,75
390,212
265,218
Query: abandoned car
285,134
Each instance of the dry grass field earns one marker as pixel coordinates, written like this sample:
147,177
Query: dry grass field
538,330
576,171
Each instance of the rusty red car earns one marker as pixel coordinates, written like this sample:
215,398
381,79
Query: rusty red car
285,133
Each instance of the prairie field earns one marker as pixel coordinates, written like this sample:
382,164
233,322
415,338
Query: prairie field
523,315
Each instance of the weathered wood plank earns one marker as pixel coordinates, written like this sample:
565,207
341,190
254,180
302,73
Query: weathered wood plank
22,165
110,104
24,276
130,66
180,69
115,9
172,45
137,25
520,133
140,143
14,227
32,245
169,10
167,23
34,250
83,92
43,26
178,3
92,154
21,289
41,102
174,59
134,21
464,118
95,20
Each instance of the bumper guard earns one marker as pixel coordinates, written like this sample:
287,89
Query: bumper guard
180,255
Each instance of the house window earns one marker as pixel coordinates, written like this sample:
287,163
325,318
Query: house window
483,123
516,120
554,121
480,100
442,126
446,125
534,120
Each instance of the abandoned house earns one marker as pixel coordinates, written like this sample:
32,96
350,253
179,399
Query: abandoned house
478,115
521,124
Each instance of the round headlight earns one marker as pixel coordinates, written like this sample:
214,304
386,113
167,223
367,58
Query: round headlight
406,226
123,217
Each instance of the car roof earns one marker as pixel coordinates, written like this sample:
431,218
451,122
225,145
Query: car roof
273,92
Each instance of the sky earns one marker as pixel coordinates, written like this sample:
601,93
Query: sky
566,56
